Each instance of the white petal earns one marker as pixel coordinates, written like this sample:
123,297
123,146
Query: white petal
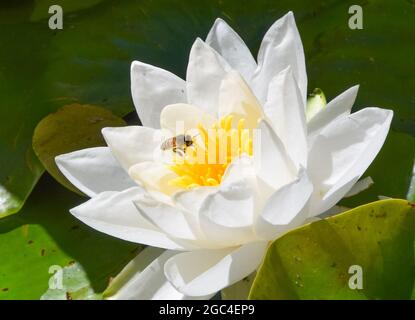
360,186
286,208
114,213
241,168
338,107
154,176
272,163
321,202
280,48
349,145
232,48
235,97
133,144
152,89
232,208
168,218
181,117
190,202
344,150
204,272
143,279
93,171
226,216
205,72
286,112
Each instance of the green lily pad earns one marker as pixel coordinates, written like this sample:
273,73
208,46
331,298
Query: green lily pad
16,185
313,262
71,128
239,290
45,235
69,283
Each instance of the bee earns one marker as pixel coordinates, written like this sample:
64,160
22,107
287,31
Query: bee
178,143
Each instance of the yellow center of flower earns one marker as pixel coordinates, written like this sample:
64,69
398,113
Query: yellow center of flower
204,162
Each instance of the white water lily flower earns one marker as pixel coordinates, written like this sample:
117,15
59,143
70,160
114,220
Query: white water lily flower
215,221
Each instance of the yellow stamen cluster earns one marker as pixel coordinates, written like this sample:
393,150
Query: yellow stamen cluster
205,161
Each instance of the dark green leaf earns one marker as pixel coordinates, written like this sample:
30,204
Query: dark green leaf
41,7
